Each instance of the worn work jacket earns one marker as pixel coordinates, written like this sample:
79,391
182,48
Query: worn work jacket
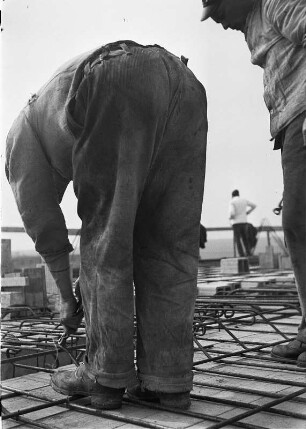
39,162
276,35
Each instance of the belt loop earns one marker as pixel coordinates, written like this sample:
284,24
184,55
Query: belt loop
184,60
125,48
99,60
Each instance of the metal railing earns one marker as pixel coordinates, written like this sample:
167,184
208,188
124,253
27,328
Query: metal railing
270,230
76,231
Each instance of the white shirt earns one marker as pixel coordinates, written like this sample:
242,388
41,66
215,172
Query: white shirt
239,208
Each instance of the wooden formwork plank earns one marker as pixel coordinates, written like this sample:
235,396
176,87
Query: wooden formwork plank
77,420
11,424
210,408
233,382
269,374
268,329
61,418
267,420
243,397
223,335
205,391
21,403
293,389
160,417
172,420
25,384
130,410
291,406
207,424
256,337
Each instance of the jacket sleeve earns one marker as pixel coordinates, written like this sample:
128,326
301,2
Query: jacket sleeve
231,211
250,207
34,186
288,18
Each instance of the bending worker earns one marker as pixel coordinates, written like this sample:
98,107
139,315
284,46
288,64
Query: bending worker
275,31
127,123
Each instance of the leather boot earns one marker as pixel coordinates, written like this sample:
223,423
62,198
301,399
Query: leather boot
173,400
301,360
291,351
80,382
139,394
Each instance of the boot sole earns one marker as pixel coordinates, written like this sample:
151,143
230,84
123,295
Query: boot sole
145,399
283,359
184,405
169,404
96,400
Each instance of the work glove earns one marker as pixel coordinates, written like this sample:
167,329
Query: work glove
72,312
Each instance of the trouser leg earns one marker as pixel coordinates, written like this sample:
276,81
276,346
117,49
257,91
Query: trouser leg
166,241
294,205
237,238
245,240
107,201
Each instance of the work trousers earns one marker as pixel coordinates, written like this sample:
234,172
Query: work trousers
241,239
294,203
139,117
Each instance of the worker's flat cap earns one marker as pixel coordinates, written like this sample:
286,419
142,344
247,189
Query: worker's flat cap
208,7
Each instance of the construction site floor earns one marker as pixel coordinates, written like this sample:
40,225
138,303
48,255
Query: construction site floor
236,381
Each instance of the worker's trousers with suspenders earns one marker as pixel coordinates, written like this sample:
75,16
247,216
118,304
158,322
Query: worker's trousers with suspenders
139,116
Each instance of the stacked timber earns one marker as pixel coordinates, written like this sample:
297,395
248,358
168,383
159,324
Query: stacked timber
234,265
26,289
6,256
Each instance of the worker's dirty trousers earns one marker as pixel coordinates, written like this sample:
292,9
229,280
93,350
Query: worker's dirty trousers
139,116
294,206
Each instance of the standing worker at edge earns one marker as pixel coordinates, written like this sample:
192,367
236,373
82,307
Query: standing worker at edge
275,31
128,124
239,209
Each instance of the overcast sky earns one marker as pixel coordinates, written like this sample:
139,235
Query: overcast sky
39,35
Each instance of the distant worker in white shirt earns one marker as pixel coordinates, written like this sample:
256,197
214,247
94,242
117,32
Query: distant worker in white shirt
238,210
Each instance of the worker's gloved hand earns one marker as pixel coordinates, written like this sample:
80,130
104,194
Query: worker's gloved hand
71,313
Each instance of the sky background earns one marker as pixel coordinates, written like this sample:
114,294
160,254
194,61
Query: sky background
39,35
